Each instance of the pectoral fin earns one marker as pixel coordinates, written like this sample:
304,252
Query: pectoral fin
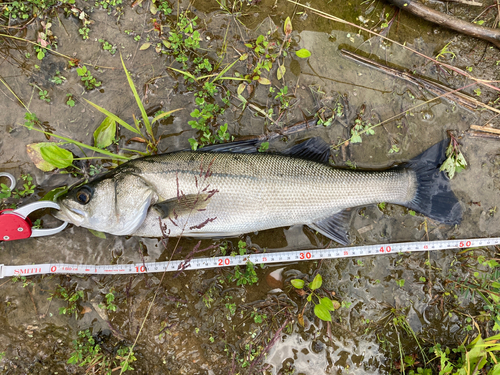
334,227
183,205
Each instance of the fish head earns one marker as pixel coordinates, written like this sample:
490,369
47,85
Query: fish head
116,203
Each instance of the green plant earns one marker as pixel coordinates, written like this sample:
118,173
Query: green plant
263,147
24,279
70,101
25,9
110,297
164,7
87,78
258,317
232,308
484,283
88,353
44,95
61,158
58,78
394,149
31,120
360,126
397,320
445,51
246,276
284,100
84,32
469,359
322,305
70,297
28,187
205,118
108,46
455,161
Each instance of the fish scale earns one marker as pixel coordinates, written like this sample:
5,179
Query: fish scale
261,191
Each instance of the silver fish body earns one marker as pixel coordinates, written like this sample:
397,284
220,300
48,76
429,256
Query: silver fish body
215,194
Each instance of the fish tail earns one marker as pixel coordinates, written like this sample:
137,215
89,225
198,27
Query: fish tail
434,197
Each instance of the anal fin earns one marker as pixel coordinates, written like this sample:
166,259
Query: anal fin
334,227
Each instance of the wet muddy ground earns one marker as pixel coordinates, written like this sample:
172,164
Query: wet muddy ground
203,322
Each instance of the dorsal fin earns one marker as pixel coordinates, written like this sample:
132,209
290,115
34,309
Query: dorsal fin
315,149
249,146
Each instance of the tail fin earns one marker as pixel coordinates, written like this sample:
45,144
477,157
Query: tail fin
434,197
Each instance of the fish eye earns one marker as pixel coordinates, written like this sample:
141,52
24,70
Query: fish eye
83,195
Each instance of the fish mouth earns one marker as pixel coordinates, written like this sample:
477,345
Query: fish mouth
71,215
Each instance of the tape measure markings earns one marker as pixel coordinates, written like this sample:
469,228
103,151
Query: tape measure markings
238,260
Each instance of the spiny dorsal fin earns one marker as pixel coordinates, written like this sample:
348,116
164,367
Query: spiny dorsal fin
249,146
183,205
315,149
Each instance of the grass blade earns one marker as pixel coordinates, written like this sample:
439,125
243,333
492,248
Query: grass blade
139,102
225,70
164,114
114,117
189,75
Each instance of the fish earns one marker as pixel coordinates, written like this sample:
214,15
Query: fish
231,189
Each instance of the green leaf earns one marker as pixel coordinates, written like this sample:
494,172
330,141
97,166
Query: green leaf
327,302
316,283
83,145
57,156
264,146
105,134
114,117
98,234
54,194
298,283
281,71
303,53
322,312
145,46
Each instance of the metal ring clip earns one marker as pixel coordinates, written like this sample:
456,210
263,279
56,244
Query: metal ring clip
11,178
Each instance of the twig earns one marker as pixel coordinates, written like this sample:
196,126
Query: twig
450,22
481,134
467,2
485,129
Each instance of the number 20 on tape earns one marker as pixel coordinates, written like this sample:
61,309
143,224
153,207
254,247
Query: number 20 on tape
223,262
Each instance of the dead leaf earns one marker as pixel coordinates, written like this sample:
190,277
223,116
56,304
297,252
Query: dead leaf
35,155
85,310
300,318
137,139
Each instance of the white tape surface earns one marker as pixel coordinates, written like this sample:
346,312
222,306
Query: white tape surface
227,261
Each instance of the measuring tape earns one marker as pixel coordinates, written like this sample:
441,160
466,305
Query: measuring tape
240,260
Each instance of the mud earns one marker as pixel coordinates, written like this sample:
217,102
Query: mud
192,327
